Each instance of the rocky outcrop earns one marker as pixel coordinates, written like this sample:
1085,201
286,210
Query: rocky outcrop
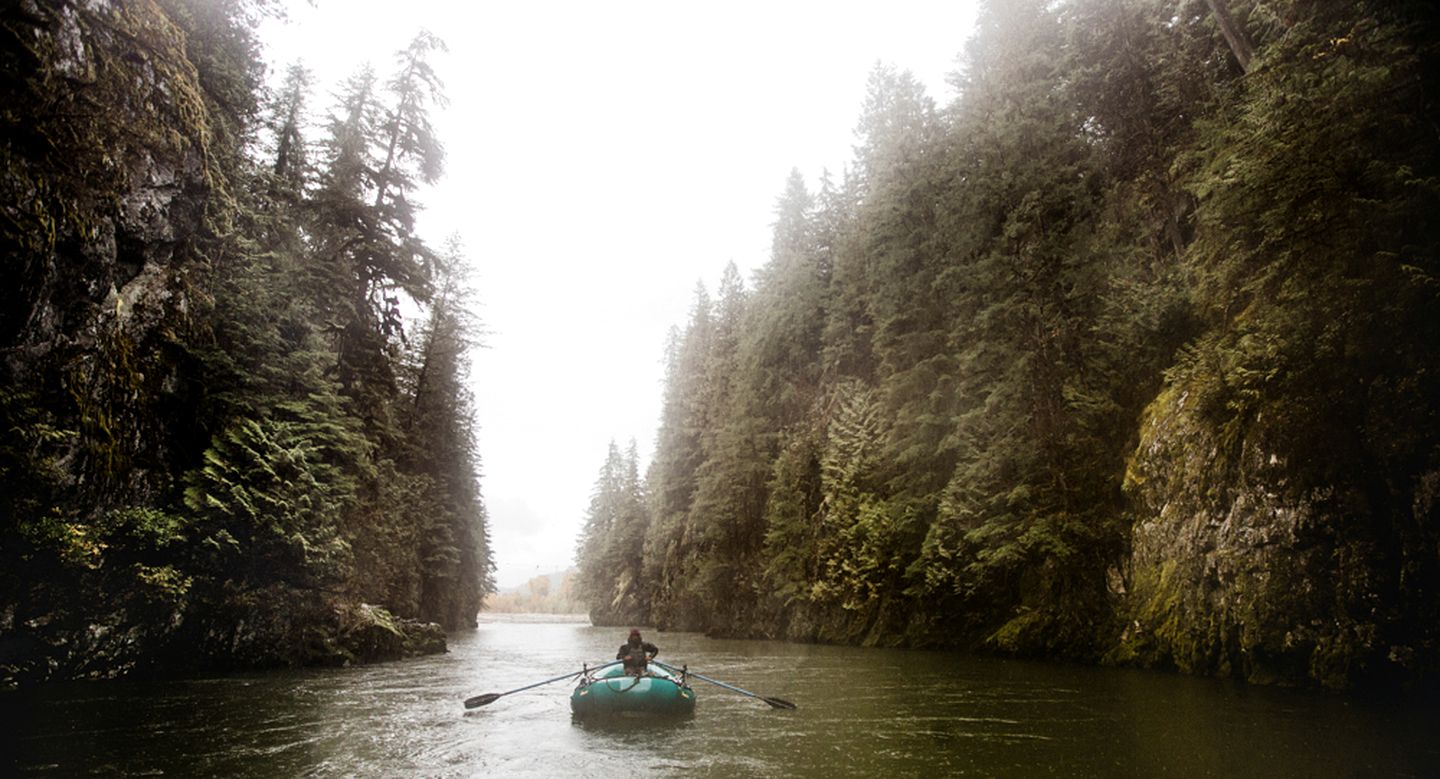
287,627
106,176
623,606
371,634
107,172
63,642
274,627
1237,570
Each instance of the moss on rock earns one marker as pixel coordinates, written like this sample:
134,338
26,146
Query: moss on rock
1237,572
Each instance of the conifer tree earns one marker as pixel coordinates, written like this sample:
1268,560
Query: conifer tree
367,253
674,471
611,545
436,413
287,117
1134,223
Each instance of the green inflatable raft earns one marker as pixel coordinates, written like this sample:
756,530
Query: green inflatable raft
611,692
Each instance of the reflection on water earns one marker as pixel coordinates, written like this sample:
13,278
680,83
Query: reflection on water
863,712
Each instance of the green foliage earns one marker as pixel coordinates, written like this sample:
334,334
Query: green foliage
143,530
362,222
920,427
267,504
436,417
209,393
792,521
608,553
29,452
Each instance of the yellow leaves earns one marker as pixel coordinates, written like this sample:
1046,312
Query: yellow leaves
163,579
73,543
1337,46
82,548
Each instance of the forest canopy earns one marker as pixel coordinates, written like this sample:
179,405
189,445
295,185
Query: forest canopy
235,427
1125,354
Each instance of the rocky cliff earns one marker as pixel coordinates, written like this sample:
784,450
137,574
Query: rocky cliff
122,134
1240,569
110,182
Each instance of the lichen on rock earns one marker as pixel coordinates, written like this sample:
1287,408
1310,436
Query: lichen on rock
1236,572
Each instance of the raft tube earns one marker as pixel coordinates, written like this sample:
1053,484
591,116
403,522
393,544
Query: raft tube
658,692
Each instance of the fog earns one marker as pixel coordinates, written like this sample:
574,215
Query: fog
602,159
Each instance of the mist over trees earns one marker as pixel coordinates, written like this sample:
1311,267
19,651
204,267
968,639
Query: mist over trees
253,415
1125,354
546,594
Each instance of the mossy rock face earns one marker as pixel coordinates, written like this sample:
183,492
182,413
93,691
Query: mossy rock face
423,638
69,644
110,180
111,183
372,634
112,166
624,605
281,626
1236,572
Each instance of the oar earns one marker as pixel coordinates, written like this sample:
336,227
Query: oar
490,697
778,703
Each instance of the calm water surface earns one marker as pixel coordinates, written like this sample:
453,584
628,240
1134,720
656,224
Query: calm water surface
863,712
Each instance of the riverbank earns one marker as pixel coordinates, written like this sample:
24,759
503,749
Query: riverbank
274,627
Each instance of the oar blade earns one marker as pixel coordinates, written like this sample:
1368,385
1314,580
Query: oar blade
779,703
482,700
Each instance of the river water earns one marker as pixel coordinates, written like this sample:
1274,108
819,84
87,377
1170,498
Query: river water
862,712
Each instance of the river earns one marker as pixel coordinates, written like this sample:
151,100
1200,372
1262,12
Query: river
862,712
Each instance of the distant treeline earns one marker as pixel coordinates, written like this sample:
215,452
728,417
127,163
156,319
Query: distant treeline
552,594
233,400
1128,353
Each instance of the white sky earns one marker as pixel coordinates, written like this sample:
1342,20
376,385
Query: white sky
602,158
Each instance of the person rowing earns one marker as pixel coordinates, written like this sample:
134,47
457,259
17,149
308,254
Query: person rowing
636,654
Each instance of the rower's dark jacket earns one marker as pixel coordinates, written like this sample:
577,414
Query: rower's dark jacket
644,646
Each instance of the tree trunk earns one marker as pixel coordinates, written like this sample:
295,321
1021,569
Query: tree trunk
1240,45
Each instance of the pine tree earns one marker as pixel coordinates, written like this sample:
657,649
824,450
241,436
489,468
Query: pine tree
436,416
287,117
674,471
367,253
611,545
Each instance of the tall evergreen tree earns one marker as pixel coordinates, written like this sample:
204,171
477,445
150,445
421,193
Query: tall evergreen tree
436,413
368,254
287,117
611,545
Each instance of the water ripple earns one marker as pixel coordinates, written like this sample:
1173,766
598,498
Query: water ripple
862,713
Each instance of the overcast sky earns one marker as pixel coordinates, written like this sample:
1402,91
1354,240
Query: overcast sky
601,159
